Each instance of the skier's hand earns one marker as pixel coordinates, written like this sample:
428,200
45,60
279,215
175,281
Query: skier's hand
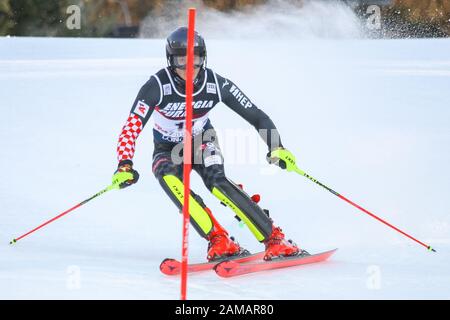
282,158
125,175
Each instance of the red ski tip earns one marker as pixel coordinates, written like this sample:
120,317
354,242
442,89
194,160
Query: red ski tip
170,267
225,269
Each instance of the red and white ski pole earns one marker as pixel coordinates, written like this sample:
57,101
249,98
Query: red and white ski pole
291,166
113,186
362,209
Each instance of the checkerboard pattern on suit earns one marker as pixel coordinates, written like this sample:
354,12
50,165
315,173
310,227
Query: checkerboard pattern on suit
127,139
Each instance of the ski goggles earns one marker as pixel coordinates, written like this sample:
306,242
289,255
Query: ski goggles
181,61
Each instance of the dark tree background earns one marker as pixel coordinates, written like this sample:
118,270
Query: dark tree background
101,18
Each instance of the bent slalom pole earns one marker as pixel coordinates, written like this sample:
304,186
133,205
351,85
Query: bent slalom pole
111,187
291,166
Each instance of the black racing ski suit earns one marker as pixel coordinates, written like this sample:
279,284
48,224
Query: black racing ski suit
163,97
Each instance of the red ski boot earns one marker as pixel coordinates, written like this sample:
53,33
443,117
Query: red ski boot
277,246
221,246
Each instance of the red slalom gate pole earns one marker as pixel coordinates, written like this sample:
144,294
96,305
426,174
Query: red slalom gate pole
187,151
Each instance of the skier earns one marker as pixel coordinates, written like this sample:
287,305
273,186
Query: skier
163,96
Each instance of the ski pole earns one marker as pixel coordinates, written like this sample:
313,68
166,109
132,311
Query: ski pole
301,172
291,166
112,186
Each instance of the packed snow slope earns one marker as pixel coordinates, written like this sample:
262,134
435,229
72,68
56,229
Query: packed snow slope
369,118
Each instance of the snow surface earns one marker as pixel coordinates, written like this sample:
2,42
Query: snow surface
369,118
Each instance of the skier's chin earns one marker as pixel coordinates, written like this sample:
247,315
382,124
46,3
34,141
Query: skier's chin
182,73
